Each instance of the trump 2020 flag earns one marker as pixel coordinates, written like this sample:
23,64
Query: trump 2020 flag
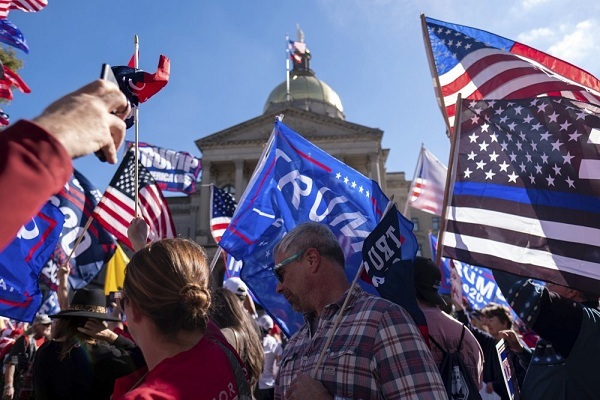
390,272
77,201
21,263
481,65
526,197
222,207
117,208
295,182
427,189
174,171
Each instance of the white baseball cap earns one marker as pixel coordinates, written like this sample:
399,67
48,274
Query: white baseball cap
236,286
266,322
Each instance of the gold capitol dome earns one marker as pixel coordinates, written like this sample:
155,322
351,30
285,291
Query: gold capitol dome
305,90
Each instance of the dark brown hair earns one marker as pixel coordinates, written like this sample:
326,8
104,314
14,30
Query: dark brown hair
167,281
227,311
500,311
66,328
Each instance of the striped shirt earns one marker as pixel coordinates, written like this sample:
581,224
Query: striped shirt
377,353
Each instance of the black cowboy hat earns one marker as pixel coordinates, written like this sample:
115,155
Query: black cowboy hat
89,303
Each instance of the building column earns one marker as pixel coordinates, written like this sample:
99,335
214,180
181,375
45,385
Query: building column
239,178
204,215
374,167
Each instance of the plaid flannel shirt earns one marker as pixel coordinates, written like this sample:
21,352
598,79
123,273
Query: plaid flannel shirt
377,353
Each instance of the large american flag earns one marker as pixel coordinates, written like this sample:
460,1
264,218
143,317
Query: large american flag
23,5
222,207
427,189
117,207
480,65
526,197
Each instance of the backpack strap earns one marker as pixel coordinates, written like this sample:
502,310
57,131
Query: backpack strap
461,338
243,387
437,345
459,342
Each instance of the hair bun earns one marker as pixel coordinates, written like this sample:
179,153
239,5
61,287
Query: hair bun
195,298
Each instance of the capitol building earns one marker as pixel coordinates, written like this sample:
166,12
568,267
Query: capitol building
314,110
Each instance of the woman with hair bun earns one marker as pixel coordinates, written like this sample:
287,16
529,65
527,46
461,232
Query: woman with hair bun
166,299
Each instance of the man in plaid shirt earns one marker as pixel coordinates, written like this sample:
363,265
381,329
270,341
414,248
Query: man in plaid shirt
377,352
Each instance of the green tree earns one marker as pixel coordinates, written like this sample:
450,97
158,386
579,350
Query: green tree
9,58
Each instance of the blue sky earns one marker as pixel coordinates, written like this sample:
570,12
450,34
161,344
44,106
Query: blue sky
227,56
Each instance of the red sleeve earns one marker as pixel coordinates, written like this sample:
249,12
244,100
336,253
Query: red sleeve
33,167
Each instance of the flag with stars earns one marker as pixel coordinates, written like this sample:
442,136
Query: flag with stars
427,189
481,65
116,209
526,196
294,182
222,207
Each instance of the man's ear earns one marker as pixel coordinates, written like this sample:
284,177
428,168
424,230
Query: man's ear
314,259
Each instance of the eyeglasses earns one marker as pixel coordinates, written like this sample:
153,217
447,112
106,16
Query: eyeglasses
278,266
120,297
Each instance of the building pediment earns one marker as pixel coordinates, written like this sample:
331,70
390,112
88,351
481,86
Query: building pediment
314,127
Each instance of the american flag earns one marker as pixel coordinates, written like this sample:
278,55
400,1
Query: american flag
427,189
222,207
10,79
480,65
23,5
117,207
297,49
526,197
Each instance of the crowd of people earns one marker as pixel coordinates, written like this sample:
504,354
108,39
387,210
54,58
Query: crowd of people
186,340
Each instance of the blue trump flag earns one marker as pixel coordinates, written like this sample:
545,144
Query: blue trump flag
294,182
12,36
77,201
21,263
478,284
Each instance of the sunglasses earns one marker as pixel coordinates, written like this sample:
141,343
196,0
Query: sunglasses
278,266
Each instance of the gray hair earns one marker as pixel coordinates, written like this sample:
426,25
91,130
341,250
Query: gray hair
315,235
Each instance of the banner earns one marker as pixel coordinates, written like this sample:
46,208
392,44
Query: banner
173,171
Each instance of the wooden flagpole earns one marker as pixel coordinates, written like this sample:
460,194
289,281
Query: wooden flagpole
450,177
136,119
434,74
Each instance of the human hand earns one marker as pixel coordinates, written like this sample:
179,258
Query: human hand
98,330
137,232
305,387
9,393
88,120
63,271
512,340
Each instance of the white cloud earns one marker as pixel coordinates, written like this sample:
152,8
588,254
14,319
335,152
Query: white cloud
528,4
536,36
580,45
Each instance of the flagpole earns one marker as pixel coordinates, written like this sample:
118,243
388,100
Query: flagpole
136,118
79,239
287,67
437,87
449,180
258,167
412,184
